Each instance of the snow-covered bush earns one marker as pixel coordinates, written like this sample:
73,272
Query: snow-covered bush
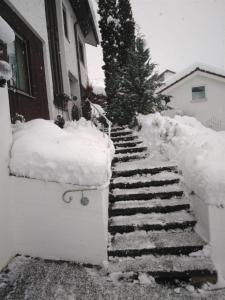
199,152
78,154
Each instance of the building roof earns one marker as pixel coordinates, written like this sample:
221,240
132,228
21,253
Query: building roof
87,20
197,67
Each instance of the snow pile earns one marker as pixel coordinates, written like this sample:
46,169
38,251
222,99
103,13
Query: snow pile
7,35
78,154
199,152
98,86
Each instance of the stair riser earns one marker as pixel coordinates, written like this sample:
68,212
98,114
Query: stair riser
124,138
122,151
126,158
145,196
154,171
147,210
118,128
127,145
155,251
140,184
120,134
114,229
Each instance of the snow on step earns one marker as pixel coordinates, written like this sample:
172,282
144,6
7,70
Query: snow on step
131,149
149,203
124,144
152,219
143,164
152,240
153,189
167,263
164,175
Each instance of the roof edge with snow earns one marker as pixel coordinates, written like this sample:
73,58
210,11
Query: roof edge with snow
188,72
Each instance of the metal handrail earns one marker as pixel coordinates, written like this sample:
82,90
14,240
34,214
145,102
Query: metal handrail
82,188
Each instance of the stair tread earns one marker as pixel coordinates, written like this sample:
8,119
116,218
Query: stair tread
162,263
122,143
164,175
155,239
141,155
143,164
146,190
149,203
152,219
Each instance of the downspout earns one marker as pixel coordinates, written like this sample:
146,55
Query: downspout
78,62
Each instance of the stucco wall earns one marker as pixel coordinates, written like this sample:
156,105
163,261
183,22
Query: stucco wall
6,242
32,12
45,226
211,111
69,51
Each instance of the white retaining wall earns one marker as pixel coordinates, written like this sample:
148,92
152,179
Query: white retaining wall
6,243
45,226
211,227
35,221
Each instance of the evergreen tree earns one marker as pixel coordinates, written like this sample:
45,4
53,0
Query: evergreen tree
126,37
109,32
141,80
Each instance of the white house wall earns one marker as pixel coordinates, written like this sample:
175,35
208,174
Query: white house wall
68,49
211,111
32,12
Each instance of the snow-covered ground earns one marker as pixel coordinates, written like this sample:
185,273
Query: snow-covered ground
36,279
78,154
199,152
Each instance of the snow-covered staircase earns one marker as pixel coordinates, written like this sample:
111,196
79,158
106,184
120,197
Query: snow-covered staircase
151,226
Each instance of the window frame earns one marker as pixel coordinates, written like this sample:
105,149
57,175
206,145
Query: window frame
65,22
198,99
13,87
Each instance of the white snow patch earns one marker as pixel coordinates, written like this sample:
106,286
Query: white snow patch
97,110
199,152
7,35
78,154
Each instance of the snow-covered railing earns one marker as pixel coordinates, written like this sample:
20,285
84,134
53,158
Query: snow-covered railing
108,122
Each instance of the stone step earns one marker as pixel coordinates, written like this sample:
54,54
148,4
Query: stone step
118,128
129,137
140,184
167,269
129,156
141,171
128,208
140,243
128,144
131,150
121,133
150,222
162,192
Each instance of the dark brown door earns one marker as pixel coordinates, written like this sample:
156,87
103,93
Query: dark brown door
27,89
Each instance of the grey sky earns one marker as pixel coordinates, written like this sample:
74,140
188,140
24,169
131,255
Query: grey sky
178,33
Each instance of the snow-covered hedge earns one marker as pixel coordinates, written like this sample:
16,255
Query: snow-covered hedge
7,35
78,154
199,152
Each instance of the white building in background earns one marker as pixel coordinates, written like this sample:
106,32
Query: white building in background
199,91
48,56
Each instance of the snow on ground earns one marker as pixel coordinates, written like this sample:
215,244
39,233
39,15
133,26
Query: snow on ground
36,279
78,154
199,152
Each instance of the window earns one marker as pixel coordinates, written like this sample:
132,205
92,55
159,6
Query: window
65,23
81,51
18,58
198,93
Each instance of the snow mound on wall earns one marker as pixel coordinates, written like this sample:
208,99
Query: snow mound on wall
77,154
6,33
5,70
199,152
